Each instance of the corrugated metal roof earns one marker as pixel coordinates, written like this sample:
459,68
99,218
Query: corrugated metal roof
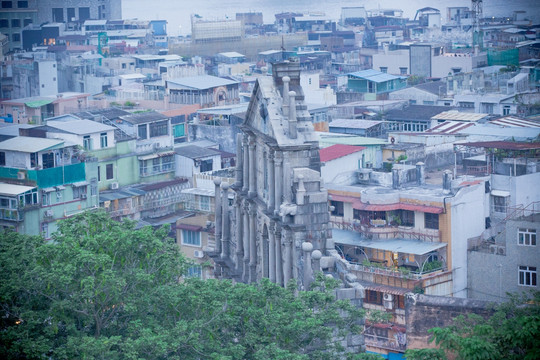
195,152
449,127
406,246
337,151
13,190
30,144
202,82
459,116
514,121
507,145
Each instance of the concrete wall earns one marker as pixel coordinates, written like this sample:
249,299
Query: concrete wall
465,207
493,275
48,77
423,312
225,136
419,96
392,60
334,168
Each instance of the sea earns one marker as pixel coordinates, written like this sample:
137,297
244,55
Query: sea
178,12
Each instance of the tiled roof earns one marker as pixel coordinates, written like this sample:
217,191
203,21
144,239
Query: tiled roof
339,150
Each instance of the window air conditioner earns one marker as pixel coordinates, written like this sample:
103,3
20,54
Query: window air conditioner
49,213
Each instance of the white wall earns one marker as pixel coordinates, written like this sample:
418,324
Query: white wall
442,65
333,168
467,222
48,77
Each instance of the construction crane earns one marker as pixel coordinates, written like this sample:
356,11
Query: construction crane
476,9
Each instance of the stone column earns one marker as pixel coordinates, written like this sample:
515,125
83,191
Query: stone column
245,240
285,95
239,163
316,256
252,168
226,226
279,260
217,204
293,132
245,163
252,243
272,252
278,180
271,183
307,248
287,257
239,238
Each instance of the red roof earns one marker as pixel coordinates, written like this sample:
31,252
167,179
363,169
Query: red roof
339,150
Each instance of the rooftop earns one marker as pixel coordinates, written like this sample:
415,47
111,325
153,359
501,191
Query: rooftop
374,75
354,124
337,151
195,152
459,116
13,190
202,82
144,117
30,144
80,127
416,112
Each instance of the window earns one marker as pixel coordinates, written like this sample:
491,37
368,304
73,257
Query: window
46,199
22,4
109,174
179,130
527,275
206,165
58,15
499,204
103,138
99,173
7,4
205,203
338,208
407,218
156,165
15,23
16,37
4,23
87,142
167,163
142,132
399,300
84,13
27,22
431,221
403,71
194,271
527,237
2,158
33,160
79,192
47,160
373,297
384,69
191,238
70,14
506,110
160,128
143,168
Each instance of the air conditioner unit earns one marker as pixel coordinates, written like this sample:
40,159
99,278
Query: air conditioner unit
114,186
388,297
198,254
49,213
389,305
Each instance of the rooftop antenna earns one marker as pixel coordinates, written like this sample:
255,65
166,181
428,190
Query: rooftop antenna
282,43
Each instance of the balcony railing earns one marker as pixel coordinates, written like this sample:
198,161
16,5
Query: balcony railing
384,343
399,272
388,232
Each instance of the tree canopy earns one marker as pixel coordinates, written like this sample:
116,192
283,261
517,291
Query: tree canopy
512,332
102,289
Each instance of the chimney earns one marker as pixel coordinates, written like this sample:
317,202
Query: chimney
447,181
292,115
420,173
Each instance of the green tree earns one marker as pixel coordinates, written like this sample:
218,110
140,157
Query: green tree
103,290
512,332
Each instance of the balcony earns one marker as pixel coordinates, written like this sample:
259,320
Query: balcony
11,215
377,230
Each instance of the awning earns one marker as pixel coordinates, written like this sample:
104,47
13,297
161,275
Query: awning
153,156
501,193
359,205
13,190
38,103
189,227
79,183
406,246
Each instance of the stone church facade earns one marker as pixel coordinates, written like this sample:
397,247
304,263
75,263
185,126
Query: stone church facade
276,225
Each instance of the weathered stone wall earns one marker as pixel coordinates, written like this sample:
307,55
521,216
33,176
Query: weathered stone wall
423,312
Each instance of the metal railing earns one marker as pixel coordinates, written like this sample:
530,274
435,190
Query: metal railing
387,232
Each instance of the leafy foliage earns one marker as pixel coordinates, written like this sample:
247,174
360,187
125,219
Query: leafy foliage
104,290
512,332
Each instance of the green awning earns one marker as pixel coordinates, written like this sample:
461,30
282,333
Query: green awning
38,103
